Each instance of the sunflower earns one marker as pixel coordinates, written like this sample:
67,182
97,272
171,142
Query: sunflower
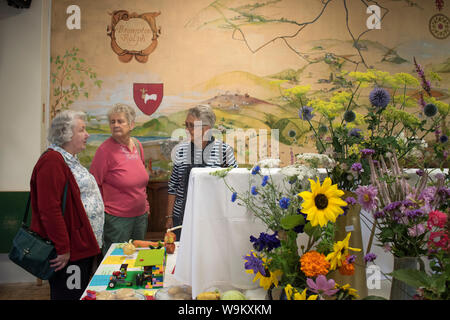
340,252
293,294
323,203
269,279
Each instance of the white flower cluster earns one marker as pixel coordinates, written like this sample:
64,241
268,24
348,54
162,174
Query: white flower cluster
302,173
269,163
316,160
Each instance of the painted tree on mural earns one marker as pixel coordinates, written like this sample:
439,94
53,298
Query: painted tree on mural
68,76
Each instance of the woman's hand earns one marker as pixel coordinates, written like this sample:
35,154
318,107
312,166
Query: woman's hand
60,261
169,222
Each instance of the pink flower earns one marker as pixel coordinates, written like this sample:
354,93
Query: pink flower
322,285
436,219
417,230
439,239
367,197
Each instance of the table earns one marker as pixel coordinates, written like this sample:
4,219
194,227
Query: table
215,232
115,257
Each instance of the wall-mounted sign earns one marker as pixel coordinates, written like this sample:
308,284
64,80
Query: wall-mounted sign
148,96
133,34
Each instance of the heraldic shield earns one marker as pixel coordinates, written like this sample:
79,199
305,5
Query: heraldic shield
148,96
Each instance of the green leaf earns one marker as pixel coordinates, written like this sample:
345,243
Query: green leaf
414,278
290,222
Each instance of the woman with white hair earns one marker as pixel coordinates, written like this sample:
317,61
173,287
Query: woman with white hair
202,150
118,166
78,231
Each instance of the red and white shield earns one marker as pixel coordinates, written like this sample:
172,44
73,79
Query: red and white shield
148,96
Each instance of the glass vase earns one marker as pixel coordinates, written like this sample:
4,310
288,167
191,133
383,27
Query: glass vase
399,289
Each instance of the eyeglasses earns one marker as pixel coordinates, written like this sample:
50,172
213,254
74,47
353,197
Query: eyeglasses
190,125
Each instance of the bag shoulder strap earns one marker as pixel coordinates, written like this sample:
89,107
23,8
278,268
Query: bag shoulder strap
63,205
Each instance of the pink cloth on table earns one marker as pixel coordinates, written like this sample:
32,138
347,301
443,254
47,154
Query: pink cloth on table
122,179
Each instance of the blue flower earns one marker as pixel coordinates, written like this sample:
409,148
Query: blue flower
430,110
305,113
355,132
379,97
370,257
349,116
264,181
234,197
443,138
284,203
252,262
255,170
357,167
265,241
254,191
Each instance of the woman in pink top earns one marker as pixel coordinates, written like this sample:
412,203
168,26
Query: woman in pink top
118,166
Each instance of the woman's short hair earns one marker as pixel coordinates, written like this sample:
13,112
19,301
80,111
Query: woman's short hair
205,113
129,112
61,128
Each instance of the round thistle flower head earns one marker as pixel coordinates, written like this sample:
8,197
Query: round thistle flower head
443,138
379,97
349,116
305,113
323,129
430,110
355,132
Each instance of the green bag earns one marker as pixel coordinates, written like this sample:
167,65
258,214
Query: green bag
32,252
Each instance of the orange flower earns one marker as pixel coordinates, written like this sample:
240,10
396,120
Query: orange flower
347,269
314,264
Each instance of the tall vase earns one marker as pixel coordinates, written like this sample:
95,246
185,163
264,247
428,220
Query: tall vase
345,224
399,289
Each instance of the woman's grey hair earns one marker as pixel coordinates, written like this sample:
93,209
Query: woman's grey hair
129,112
61,128
205,113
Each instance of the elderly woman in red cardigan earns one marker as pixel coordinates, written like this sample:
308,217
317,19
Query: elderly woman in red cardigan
77,235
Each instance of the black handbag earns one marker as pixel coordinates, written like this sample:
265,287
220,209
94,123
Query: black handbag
32,252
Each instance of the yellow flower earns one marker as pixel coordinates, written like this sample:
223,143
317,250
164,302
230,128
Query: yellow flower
323,203
266,282
340,252
293,294
350,291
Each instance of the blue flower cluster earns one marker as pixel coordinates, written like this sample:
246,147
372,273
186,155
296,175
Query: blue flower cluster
265,241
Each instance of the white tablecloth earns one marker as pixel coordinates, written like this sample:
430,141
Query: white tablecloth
215,233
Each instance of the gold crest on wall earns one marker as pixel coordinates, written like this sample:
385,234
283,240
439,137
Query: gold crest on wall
133,35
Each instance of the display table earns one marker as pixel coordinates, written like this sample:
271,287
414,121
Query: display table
215,233
115,257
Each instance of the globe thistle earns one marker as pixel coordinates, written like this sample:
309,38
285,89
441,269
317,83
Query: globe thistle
430,110
379,97
443,138
355,132
305,113
323,129
349,116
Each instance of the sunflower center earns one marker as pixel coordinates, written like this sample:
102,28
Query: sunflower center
321,201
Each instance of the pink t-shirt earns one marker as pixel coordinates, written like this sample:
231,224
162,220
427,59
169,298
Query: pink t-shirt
122,179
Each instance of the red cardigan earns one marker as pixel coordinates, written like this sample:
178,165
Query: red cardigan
71,233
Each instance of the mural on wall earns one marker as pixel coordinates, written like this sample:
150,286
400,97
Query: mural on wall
236,55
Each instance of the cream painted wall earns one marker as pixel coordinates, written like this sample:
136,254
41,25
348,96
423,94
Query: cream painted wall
24,55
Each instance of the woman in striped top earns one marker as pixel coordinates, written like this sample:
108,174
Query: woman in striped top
203,150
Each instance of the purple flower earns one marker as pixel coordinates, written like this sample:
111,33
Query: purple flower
370,257
366,152
252,262
350,200
379,97
305,113
420,172
392,206
357,167
417,230
367,197
412,214
322,286
351,258
284,203
234,197
254,191
355,132
265,241
378,215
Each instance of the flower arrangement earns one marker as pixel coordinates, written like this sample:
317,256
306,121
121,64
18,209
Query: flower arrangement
344,126
400,210
289,208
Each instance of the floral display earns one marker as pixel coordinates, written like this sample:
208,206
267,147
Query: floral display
346,124
289,208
